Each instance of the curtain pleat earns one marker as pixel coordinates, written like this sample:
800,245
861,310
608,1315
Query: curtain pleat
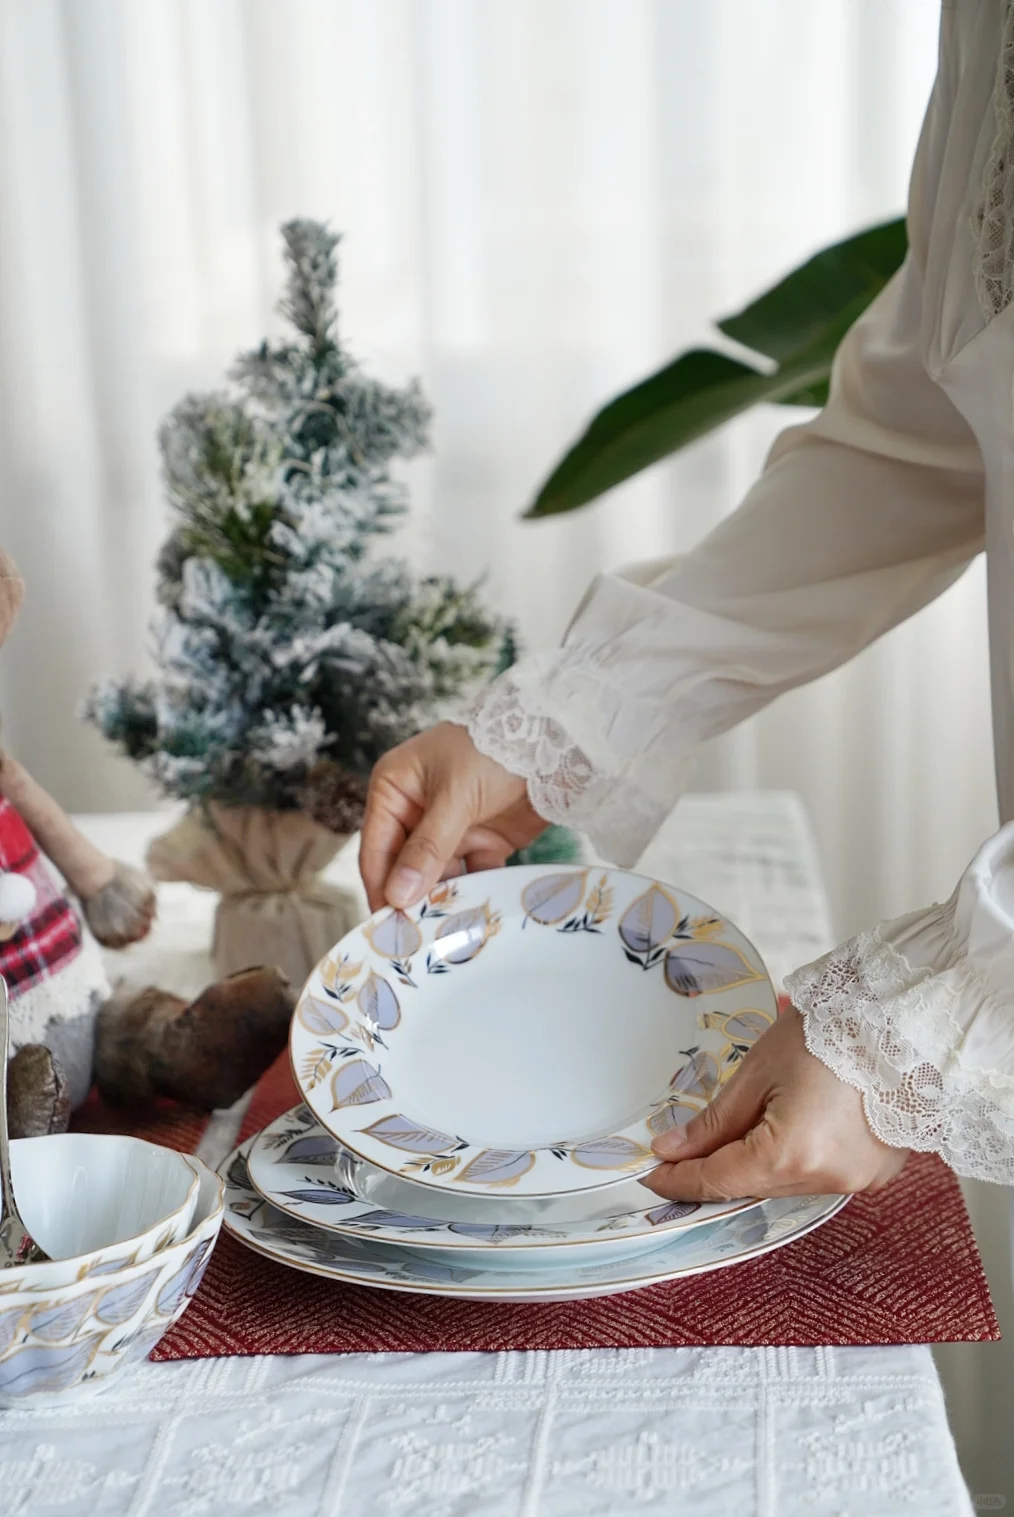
542,200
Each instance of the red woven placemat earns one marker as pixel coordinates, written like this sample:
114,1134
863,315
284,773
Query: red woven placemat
897,1267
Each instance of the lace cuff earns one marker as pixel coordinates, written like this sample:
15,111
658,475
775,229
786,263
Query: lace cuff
901,1014
589,752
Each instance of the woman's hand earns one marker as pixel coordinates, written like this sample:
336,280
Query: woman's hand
437,804
783,1126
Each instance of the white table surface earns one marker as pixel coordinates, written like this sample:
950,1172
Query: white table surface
775,1432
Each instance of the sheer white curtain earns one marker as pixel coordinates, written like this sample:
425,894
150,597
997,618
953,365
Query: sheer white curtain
542,199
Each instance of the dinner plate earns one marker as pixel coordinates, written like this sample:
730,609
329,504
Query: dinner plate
527,1030
358,1261
292,1164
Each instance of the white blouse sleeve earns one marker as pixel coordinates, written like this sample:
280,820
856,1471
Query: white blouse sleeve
860,518
918,1015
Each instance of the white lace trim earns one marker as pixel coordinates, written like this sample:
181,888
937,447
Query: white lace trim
892,1030
993,218
75,990
511,722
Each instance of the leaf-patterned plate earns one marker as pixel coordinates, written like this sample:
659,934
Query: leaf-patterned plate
527,1030
359,1261
292,1164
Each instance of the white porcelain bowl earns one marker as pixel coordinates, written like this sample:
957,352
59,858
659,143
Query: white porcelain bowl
72,1339
97,1203
527,1031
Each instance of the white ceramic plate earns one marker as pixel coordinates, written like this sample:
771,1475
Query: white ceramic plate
527,1029
358,1262
292,1165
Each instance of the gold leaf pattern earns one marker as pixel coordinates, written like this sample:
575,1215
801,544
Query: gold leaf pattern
600,902
443,1166
336,974
703,928
315,1067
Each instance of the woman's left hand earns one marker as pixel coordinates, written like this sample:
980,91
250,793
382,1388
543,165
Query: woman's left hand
784,1125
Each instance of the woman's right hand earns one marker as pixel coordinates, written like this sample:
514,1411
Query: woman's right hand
437,805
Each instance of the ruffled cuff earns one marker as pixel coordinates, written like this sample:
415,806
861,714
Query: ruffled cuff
589,750
917,1016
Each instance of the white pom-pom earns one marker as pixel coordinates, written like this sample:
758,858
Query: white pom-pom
17,898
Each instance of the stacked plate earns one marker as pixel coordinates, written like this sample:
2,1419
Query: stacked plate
482,1078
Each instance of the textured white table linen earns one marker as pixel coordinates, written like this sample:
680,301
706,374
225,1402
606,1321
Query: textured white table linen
701,1432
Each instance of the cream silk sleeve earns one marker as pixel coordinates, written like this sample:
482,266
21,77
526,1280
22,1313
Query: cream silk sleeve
859,519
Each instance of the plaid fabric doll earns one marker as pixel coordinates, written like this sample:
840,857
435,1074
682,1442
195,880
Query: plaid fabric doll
65,1025
53,971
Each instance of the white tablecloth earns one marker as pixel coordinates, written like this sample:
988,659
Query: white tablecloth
824,1432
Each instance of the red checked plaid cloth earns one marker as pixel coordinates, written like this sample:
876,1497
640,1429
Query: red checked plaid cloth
51,937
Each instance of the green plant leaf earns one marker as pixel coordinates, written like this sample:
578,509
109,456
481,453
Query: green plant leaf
795,313
815,395
799,323
682,401
687,399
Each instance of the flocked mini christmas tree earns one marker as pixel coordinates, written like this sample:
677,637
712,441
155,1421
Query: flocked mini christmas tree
288,657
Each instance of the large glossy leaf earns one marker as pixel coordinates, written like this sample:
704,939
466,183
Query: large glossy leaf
795,328
795,313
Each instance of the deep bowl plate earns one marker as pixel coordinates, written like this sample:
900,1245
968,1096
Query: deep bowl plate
527,1029
292,1165
358,1261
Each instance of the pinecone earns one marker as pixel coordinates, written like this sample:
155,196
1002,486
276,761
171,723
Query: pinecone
334,797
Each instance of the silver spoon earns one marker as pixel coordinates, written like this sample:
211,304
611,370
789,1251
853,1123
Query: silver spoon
17,1246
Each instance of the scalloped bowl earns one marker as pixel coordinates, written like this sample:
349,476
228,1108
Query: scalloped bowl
97,1203
71,1340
